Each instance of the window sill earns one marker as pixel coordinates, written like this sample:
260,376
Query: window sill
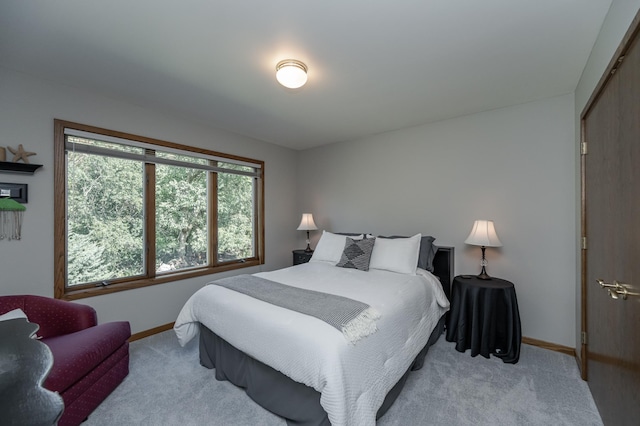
85,291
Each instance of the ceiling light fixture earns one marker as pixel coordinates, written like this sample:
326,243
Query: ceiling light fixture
291,73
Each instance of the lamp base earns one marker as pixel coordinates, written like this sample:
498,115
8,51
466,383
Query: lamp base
483,273
308,249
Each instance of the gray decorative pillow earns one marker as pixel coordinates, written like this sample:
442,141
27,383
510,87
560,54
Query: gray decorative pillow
357,253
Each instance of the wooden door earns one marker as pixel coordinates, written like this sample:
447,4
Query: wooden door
611,225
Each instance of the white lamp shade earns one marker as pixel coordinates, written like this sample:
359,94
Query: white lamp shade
291,73
307,223
483,234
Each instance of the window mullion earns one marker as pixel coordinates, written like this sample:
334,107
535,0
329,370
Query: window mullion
213,218
258,208
150,219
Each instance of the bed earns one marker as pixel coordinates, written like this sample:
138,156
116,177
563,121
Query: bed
306,371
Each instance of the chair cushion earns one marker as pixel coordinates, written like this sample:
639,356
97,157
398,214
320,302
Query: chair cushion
76,354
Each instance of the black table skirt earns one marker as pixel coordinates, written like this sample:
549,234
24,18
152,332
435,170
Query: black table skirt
484,317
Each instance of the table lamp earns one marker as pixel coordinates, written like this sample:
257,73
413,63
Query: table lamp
307,224
484,235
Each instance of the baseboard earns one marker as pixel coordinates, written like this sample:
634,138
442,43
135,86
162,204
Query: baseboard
551,346
151,332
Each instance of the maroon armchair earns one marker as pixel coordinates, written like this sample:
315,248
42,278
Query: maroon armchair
89,359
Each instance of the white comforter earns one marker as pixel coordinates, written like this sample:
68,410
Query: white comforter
353,379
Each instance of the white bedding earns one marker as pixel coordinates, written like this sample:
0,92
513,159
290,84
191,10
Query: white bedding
353,379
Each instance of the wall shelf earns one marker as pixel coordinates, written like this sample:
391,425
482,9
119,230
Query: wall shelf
8,167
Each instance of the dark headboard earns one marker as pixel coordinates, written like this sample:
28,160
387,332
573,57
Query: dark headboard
443,268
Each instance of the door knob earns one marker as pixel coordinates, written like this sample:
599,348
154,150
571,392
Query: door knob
617,289
624,292
607,285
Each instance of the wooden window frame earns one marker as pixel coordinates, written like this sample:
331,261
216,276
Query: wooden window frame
61,291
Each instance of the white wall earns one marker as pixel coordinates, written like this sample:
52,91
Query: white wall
28,107
515,166
618,19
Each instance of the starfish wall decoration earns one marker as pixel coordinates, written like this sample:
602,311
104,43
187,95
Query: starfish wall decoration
20,154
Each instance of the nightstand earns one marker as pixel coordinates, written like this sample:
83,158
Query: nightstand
301,256
484,317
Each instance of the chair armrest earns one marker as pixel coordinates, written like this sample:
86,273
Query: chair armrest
57,317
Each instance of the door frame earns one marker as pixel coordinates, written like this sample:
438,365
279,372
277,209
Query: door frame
621,51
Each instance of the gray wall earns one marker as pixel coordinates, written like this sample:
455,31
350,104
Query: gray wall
515,166
614,27
28,107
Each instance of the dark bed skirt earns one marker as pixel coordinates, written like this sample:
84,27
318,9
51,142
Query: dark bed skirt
297,403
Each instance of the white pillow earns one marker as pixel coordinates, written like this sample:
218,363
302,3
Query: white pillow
16,313
396,254
330,247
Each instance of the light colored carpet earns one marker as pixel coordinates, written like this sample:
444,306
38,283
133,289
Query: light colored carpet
167,386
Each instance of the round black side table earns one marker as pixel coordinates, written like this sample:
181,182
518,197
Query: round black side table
484,317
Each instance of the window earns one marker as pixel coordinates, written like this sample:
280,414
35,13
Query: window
132,211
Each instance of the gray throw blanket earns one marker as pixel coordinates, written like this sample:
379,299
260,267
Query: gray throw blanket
353,318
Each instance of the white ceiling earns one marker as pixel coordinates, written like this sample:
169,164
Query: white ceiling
374,65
